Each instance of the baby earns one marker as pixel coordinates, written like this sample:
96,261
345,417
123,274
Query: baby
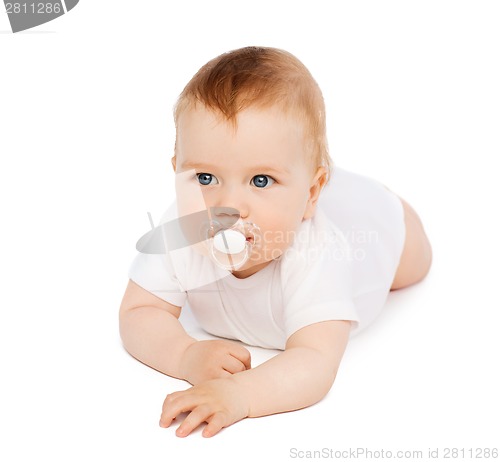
264,246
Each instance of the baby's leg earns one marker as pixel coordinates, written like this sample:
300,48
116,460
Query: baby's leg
417,252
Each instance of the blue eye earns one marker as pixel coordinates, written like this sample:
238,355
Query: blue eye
261,181
206,178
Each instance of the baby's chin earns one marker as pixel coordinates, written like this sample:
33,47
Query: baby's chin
258,260
248,269
254,264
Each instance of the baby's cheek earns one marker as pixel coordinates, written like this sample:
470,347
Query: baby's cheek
190,198
273,243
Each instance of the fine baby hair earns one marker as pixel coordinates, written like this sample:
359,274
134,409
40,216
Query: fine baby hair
261,77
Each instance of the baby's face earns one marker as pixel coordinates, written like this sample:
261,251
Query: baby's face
260,169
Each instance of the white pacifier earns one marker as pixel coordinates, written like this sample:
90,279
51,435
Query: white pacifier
229,241
231,247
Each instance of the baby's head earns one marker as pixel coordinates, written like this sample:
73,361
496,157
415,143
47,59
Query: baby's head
251,134
261,78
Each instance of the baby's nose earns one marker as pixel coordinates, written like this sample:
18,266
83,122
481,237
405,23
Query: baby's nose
232,201
227,216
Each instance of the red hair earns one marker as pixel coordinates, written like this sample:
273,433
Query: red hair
261,77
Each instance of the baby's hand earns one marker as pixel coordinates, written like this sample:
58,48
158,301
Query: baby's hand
213,359
218,402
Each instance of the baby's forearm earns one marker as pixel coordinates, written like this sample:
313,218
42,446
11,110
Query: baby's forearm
301,375
155,337
294,379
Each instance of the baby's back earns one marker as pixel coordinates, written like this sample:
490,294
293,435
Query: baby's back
371,218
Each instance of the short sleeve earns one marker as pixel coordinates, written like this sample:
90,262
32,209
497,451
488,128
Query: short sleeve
317,277
155,272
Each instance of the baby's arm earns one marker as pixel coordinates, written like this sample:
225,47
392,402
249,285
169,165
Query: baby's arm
152,333
298,377
302,374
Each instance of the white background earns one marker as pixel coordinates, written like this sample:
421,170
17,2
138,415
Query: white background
86,136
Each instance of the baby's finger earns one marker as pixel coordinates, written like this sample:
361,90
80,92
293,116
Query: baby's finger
223,374
195,418
174,404
242,354
215,424
233,365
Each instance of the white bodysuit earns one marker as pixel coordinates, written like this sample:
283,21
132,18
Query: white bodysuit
340,267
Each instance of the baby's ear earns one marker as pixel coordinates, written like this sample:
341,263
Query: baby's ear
174,162
317,183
